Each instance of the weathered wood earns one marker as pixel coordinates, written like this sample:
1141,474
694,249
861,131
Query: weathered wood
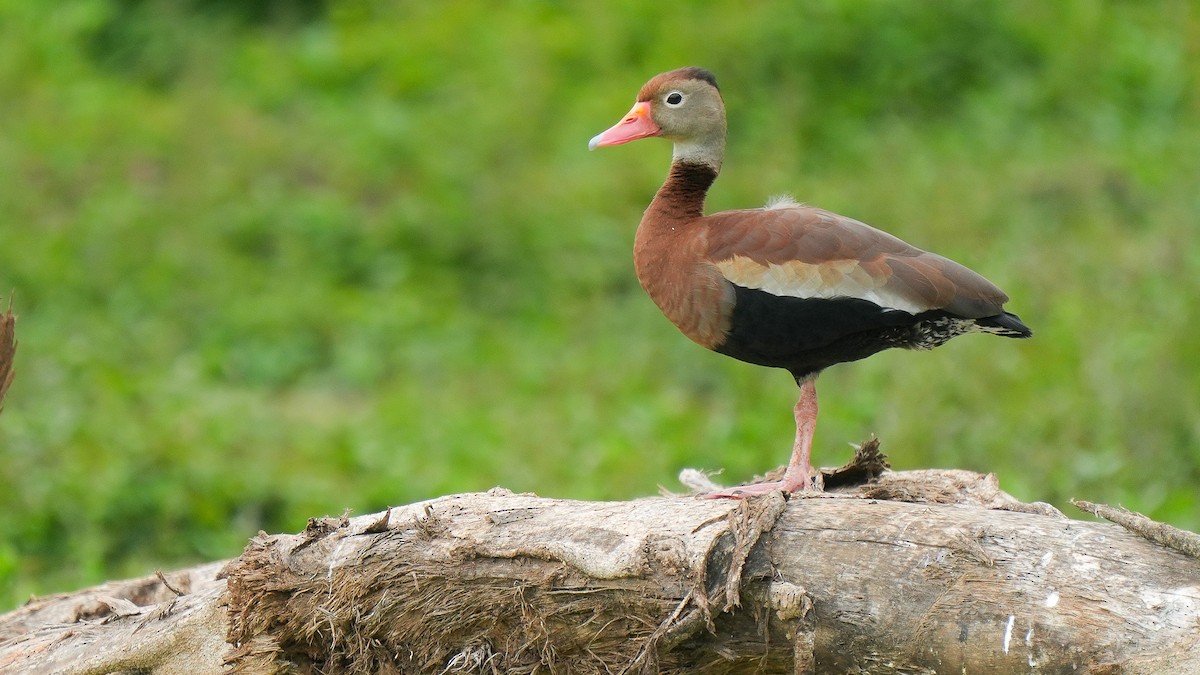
957,578
1187,543
129,626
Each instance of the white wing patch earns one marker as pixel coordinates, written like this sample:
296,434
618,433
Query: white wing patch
781,202
834,279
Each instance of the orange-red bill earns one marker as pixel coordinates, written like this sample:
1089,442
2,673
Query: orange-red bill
636,124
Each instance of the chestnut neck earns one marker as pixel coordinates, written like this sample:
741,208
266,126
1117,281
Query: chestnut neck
681,197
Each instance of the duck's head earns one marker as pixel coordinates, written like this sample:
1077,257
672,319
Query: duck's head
683,106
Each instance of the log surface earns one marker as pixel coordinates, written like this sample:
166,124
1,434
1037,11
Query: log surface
921,572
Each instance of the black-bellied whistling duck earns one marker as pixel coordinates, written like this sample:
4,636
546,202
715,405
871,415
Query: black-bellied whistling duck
788,286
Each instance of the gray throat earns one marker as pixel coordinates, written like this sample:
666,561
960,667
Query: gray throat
710,153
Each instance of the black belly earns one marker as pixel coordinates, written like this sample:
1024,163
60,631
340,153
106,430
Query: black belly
807,335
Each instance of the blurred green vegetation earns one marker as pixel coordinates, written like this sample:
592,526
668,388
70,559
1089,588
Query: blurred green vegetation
274,260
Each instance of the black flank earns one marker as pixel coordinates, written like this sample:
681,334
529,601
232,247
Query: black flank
807,335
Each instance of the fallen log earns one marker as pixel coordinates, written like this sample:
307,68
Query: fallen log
917,572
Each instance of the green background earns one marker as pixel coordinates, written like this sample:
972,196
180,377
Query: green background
275,260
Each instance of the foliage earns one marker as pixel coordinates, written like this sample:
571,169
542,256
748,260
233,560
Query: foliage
277,262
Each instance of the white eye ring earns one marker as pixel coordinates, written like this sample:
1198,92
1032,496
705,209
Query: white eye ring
674,99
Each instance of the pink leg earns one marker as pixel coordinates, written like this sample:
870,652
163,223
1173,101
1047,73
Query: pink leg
800,472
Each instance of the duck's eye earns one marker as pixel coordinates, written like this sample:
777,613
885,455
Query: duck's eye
674,99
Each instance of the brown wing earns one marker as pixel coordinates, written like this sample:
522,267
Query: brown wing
805,252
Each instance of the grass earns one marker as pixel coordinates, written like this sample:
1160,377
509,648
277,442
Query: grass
277,262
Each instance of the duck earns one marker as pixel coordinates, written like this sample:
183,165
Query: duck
787,285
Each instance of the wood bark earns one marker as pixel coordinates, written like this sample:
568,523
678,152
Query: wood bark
919,572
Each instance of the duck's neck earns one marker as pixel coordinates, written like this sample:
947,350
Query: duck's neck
681,198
